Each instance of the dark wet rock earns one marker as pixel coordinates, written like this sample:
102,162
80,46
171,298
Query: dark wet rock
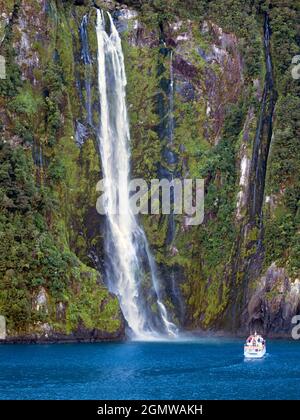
81,2
123,17
106,4
202,54
171,43
185,89
164,84
164,51
162,128
169,156
184,67
31,25
273,303
160,69
164,173
140,36
81,335
45,333
173,278
81,133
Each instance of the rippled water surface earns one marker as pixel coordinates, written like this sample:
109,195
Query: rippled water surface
202,369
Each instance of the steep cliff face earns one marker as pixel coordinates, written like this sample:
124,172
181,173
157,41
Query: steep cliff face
218,64
208,79
210,95
50,231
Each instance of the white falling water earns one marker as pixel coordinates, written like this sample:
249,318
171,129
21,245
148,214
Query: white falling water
125,240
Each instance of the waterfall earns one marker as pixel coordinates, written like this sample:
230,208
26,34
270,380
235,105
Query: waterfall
263,134
129,262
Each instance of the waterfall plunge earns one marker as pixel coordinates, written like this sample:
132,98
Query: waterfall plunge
126,244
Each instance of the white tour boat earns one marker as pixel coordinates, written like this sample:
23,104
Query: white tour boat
255,347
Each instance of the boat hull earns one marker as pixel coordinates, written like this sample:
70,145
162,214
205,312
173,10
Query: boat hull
253,354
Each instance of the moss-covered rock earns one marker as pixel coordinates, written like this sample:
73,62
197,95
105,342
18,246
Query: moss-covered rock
51,235
48,199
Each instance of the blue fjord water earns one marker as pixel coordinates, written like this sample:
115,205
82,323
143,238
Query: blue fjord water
202,369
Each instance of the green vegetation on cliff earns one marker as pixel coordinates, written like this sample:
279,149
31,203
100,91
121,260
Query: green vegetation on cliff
49,228
48,189
209,145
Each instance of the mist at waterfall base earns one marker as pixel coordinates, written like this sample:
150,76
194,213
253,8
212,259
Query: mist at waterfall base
202,369
131,272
